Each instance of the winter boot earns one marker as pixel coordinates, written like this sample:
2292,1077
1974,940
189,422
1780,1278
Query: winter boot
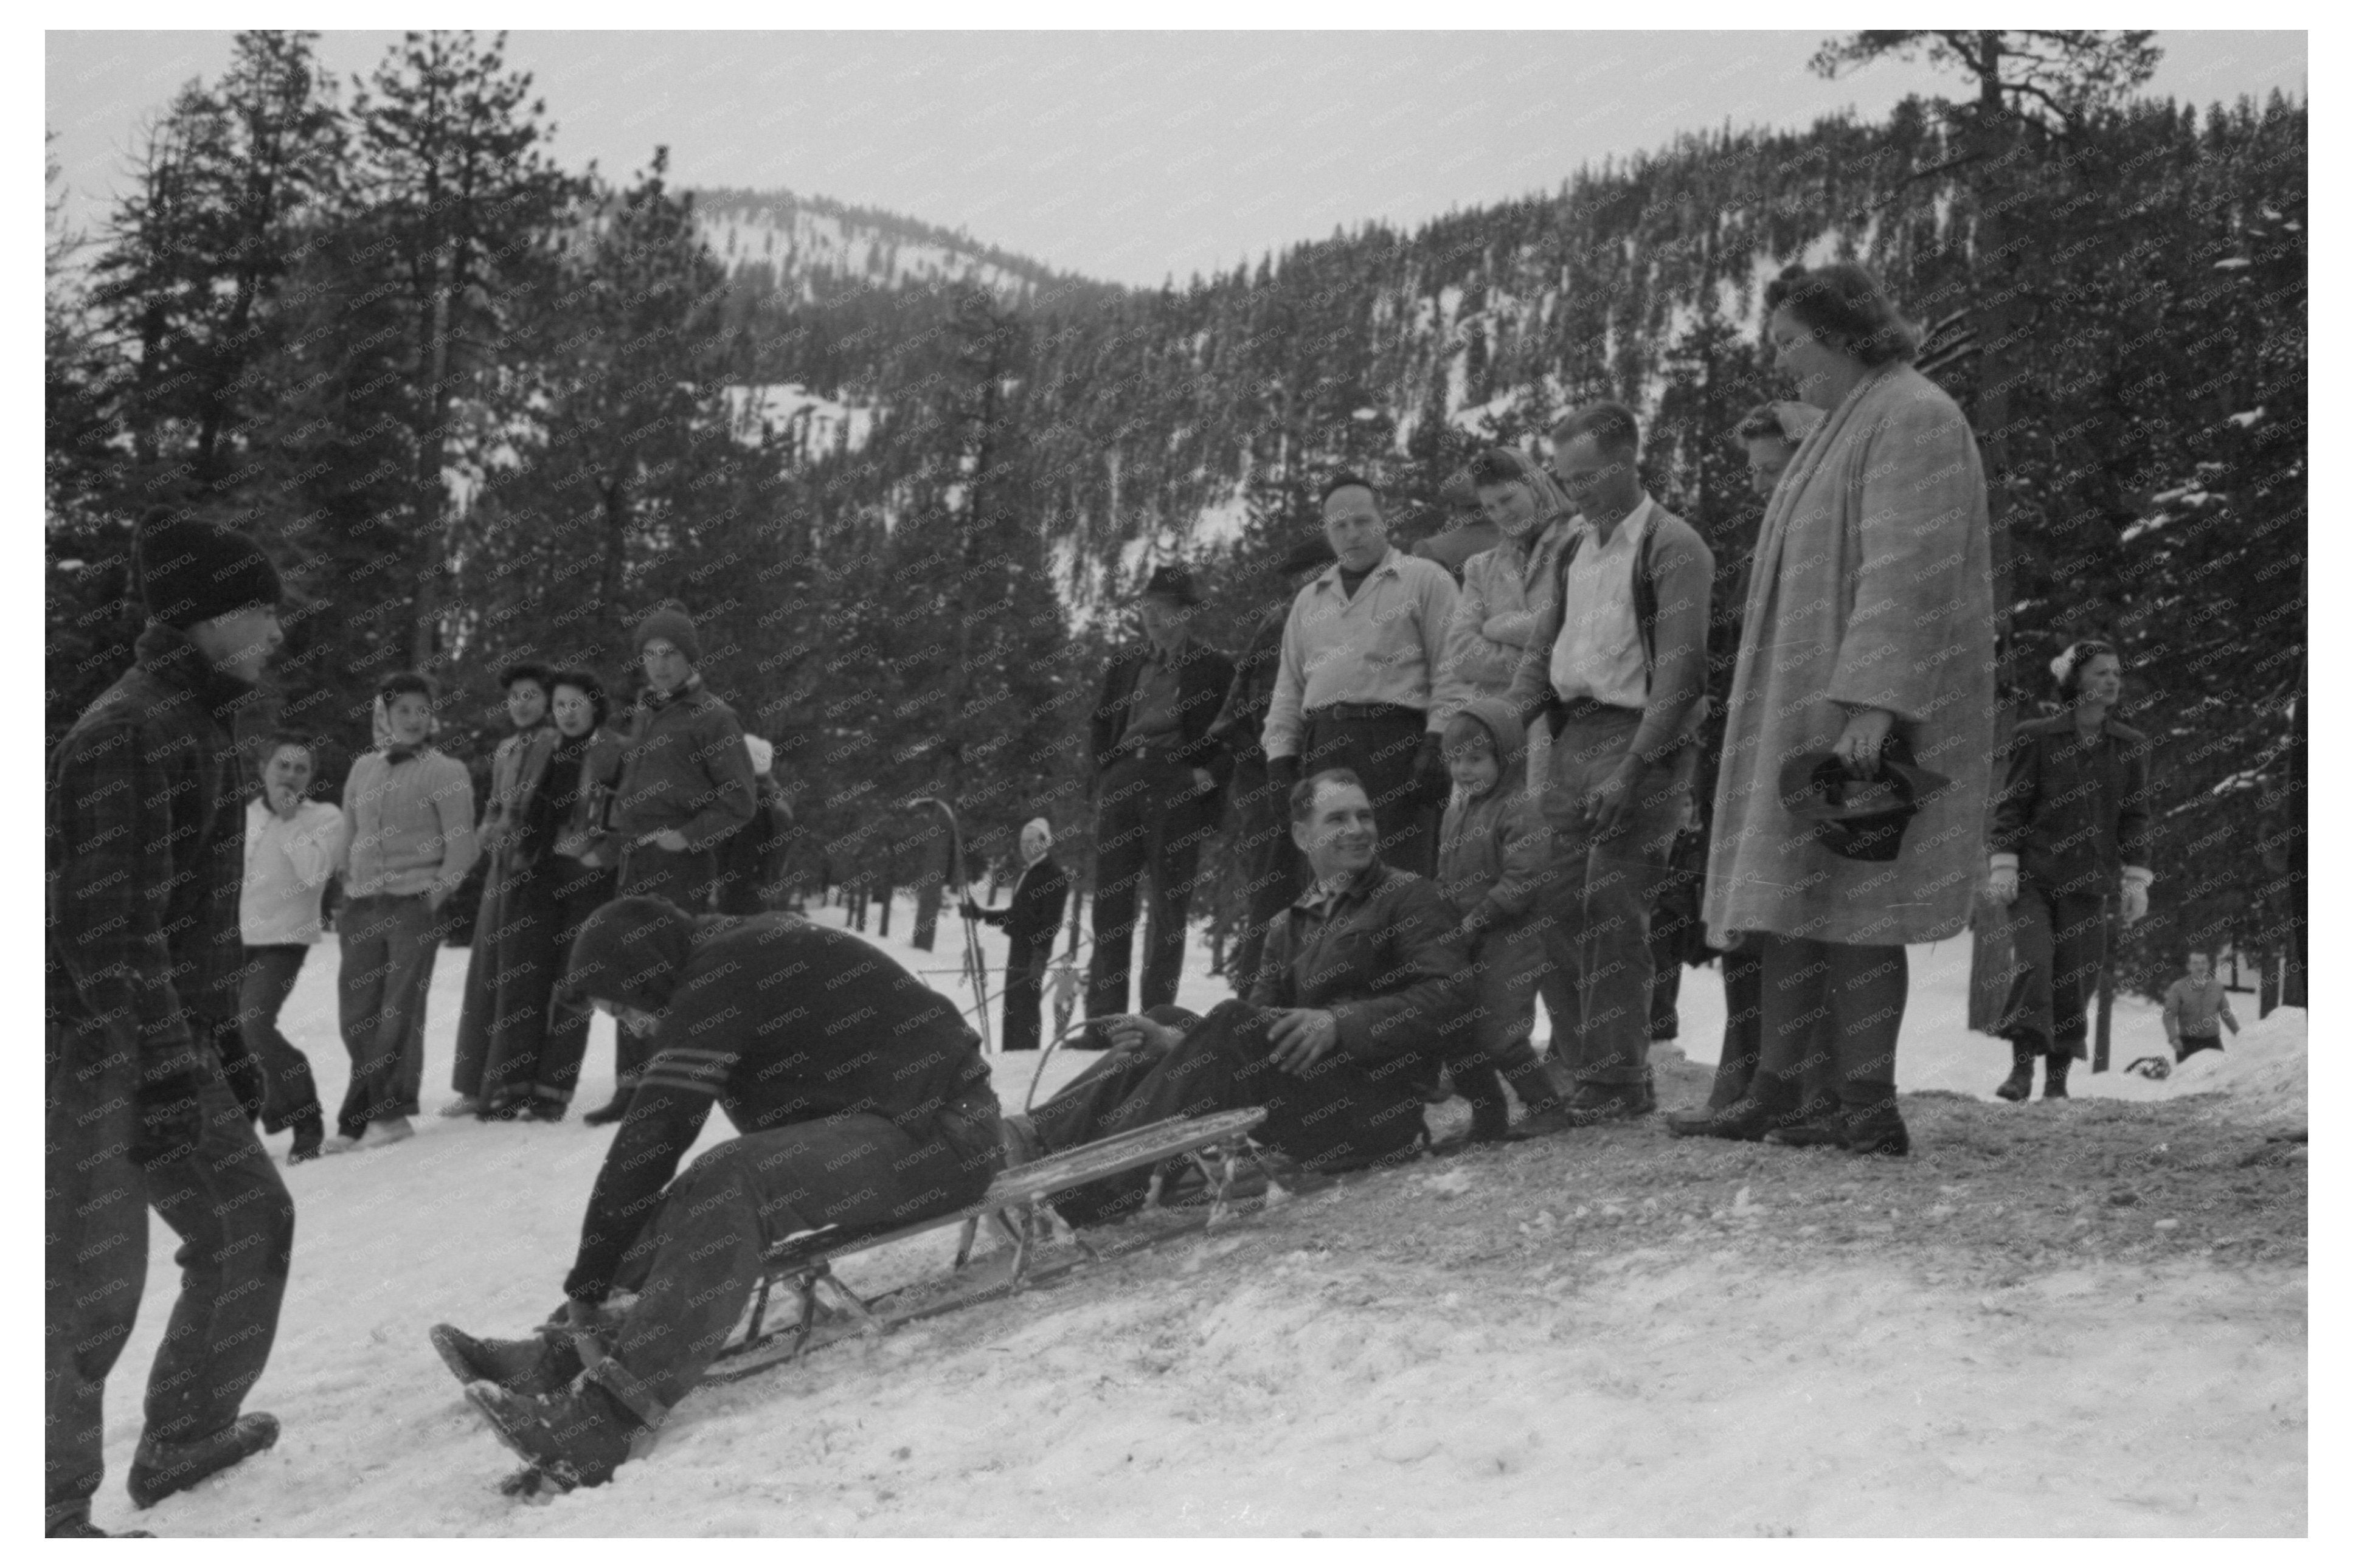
78,1527
1877,1129
573,1438
1819,1124
544,1108
613,1109
1743,1121
1592,1104
1535,1085
158,1470
541,1364
1491,1115
2055,1076
309,1134
2021,1081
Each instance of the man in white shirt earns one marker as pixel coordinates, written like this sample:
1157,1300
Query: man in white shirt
291,843
1620,671
1356,685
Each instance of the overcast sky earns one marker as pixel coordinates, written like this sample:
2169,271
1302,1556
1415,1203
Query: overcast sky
1124,156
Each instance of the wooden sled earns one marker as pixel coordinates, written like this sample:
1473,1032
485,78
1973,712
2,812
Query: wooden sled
1020,1206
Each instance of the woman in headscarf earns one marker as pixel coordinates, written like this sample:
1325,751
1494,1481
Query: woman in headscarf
2071,827
1868,632
1030,921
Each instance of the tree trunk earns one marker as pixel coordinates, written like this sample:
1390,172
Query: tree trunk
425,634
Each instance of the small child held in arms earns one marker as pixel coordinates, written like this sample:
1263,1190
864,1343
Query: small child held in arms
1493,851
408,816
2195,1008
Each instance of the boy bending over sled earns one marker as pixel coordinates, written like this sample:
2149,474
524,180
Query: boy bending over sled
863,1102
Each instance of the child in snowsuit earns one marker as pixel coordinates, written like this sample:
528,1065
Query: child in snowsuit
2195,1009
1493,851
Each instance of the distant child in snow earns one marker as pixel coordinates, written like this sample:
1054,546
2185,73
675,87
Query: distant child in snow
1493,851
291,843
408,810
2194,1007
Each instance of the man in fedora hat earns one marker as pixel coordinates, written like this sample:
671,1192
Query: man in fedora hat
1158,797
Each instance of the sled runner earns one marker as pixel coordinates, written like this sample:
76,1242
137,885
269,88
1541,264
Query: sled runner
1020,1206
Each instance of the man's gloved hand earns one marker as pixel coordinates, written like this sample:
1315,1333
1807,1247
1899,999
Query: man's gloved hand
2001,880
2135,906
1282,776
1431,782
170,1108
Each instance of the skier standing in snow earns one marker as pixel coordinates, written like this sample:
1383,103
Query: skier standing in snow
686,784
1159,777
291,843
2070,827
510,963
1356,1004
408,813
1618,668
145,863
1030,921
1271,869
1356,685
862,1101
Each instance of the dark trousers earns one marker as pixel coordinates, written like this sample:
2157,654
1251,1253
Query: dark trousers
2191,1045
577,892
1337,1115
522,956
2057,941
478,1013
1602,891
1505,968
1381,752
289,1097
695,1265
685,879
235,1226
388,943
1274,872
1744,1024
1025,994
1830,1013
1146,826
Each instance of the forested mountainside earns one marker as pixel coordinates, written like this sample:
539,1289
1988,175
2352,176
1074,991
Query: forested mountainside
904,478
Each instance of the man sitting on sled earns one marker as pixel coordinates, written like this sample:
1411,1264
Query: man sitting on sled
1358,997
863,1102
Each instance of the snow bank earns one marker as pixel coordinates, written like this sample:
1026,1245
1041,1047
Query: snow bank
2263,1068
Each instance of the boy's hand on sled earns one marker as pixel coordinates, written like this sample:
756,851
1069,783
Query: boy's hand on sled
1303,1037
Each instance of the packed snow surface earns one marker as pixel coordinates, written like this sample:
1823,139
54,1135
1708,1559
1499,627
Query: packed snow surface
1180,1393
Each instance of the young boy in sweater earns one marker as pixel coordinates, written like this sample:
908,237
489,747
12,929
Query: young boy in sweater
2195,1008
1493,851
409,812
291,843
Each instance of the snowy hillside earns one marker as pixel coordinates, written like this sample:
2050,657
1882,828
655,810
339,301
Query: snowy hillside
809,246
1617,1333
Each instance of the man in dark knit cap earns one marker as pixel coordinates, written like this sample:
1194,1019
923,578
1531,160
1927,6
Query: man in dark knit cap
686,784
146,862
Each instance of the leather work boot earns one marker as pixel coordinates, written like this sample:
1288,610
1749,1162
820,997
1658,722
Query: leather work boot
573,1438
159,1469
540,1365
2021,1081
1877,1129
1743,1121
2055,1076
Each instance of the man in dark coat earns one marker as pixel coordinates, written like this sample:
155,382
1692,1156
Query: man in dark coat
1273,871
1159,777
1030,921
1358,997
686,784
862,1101
145,851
